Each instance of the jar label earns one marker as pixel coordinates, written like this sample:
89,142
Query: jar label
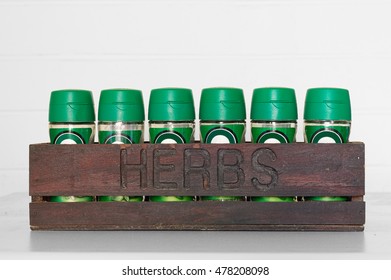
327,134
268,135
222,133
172,136
71,198
71,135
273,135
170,198
121,198
120,137
223,198
177,135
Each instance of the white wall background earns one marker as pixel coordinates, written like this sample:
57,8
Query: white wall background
47,45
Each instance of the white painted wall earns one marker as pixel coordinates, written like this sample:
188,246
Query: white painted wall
47,45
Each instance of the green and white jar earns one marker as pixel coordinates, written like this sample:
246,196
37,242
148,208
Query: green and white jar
121,121
171,121
327,119
273,120
222,121
71,121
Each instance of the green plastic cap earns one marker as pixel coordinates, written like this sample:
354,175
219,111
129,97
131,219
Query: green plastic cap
327,104
222,104
121,105
171,104
274,104
71,105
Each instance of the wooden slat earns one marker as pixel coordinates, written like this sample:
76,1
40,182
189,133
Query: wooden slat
198,169
196,215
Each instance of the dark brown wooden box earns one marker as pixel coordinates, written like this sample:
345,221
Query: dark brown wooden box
297,169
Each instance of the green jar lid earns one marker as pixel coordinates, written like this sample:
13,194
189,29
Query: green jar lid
327,104
71,105
171,104
125,105
273,104
222,104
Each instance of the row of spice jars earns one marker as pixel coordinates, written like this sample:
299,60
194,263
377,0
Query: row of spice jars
222,114
171,114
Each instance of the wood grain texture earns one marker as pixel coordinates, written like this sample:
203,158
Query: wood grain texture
198,169
206,215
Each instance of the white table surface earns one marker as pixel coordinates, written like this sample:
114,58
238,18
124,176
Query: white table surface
17,241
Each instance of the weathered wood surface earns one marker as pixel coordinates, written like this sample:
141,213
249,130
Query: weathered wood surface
198,169
205,215
297,169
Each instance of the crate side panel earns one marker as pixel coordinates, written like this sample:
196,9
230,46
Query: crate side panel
198,169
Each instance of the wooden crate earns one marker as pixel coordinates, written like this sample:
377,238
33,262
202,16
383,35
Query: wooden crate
297,169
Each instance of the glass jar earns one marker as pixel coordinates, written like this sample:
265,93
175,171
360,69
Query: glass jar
171,121
222,121
327,119
71,121
273,120
121,121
